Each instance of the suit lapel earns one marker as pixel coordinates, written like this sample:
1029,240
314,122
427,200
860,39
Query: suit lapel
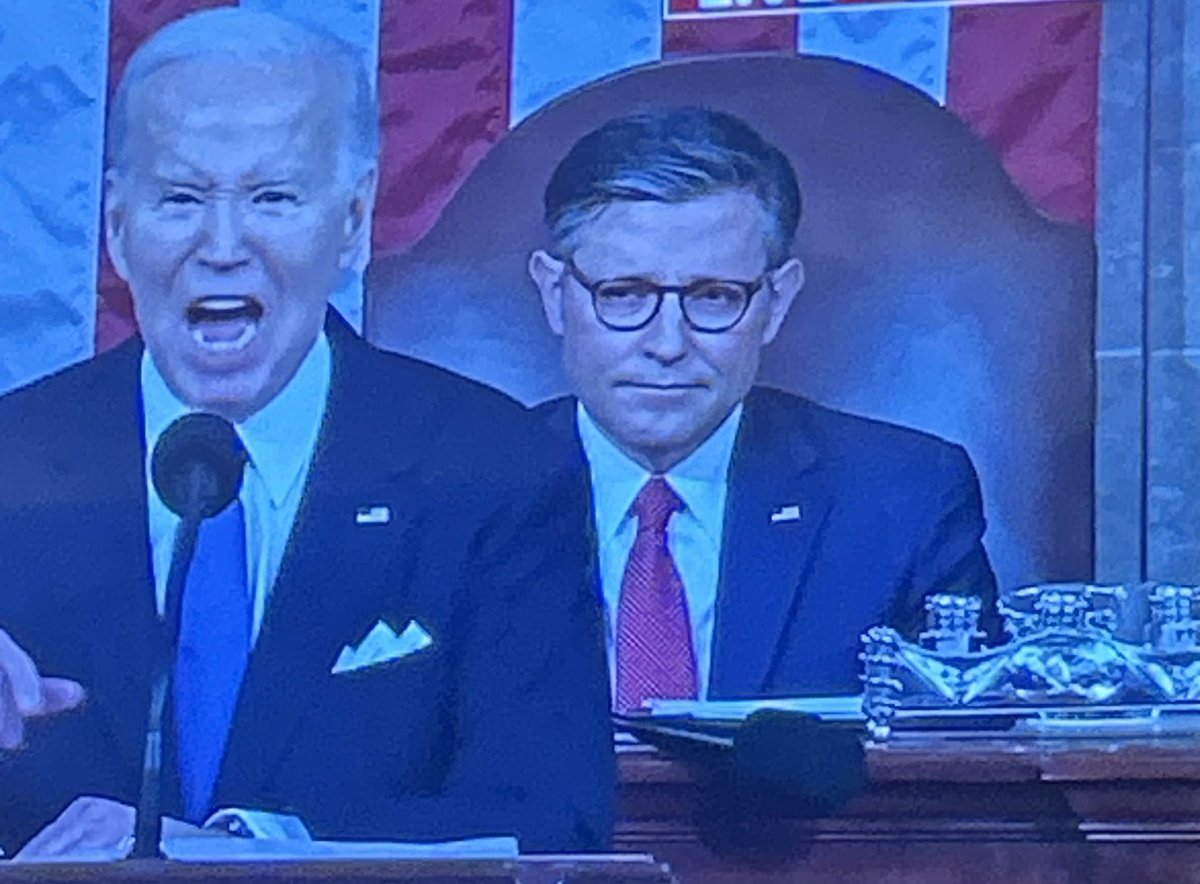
559,417
322,598
111,583
764,563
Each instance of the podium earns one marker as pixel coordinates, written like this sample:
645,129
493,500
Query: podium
938,810
600,869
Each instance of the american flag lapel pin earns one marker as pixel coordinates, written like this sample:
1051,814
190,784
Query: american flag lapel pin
789,513
372,515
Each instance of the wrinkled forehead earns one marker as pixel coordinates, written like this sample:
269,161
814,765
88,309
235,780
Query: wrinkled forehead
232,102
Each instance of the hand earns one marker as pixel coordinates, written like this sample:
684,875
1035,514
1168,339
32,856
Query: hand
25,694
96,824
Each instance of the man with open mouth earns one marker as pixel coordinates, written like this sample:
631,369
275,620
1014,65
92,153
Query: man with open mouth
389,633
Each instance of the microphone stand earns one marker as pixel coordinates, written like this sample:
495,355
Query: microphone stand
148,827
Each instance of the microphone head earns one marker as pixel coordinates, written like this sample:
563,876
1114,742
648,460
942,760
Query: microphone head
197,465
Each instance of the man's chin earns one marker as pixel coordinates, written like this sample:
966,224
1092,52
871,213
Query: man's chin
232,398
656,447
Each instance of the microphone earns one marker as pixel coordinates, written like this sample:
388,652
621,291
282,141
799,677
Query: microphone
196,468
197,465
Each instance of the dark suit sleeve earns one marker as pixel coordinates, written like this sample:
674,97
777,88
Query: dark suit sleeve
950,556
533,741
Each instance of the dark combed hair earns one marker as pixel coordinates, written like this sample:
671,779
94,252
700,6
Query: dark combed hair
672,155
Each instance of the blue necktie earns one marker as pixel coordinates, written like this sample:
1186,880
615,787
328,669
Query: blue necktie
214,646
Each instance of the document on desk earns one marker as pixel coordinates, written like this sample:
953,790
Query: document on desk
838,708
203,849
217,849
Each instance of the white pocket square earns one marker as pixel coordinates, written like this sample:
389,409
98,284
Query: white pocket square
382,645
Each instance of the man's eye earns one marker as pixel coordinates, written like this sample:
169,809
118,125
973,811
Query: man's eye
274,198
716,294
181,198
624,292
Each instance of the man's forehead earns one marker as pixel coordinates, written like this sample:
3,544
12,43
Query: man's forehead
209,90
246,167
206,115
718,207
688,238
220,115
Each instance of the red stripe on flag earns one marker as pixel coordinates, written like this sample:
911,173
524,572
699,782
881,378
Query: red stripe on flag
762,33
443,93
1025,79
130,22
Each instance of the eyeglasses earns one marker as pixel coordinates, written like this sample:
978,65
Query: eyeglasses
708,305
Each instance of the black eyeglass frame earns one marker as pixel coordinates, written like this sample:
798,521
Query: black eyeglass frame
592,287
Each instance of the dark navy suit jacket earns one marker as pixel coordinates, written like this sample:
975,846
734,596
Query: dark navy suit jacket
887,515
500,727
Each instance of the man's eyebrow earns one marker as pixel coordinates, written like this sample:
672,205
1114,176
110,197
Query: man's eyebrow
654,278
274,175
253,182
180,174
632,277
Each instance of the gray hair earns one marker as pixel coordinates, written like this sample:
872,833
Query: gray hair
237,34
671,155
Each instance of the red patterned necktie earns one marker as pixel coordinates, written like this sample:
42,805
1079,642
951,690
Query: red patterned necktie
654,633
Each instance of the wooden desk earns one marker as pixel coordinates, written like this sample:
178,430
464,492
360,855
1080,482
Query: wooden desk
937,812
533,870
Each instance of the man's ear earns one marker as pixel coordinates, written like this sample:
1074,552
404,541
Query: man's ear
114,223
356,253
546,271
785,284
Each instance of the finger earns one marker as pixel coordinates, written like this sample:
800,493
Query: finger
60,695
12,725
17,665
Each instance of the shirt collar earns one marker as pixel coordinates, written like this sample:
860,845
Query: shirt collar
699,479
279,438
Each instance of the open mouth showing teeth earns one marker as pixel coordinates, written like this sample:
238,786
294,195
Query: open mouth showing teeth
224,323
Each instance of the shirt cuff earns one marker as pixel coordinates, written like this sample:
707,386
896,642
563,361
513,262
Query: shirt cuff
258,824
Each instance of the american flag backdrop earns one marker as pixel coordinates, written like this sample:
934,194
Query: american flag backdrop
455,75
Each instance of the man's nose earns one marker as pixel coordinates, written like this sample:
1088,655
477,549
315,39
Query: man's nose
223,236
665,339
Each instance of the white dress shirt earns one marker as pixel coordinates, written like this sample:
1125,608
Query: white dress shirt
693,535
280,440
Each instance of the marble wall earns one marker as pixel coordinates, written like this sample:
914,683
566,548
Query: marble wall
1148,328
52,102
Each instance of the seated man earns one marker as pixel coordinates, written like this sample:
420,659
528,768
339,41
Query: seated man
381,498
746,537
